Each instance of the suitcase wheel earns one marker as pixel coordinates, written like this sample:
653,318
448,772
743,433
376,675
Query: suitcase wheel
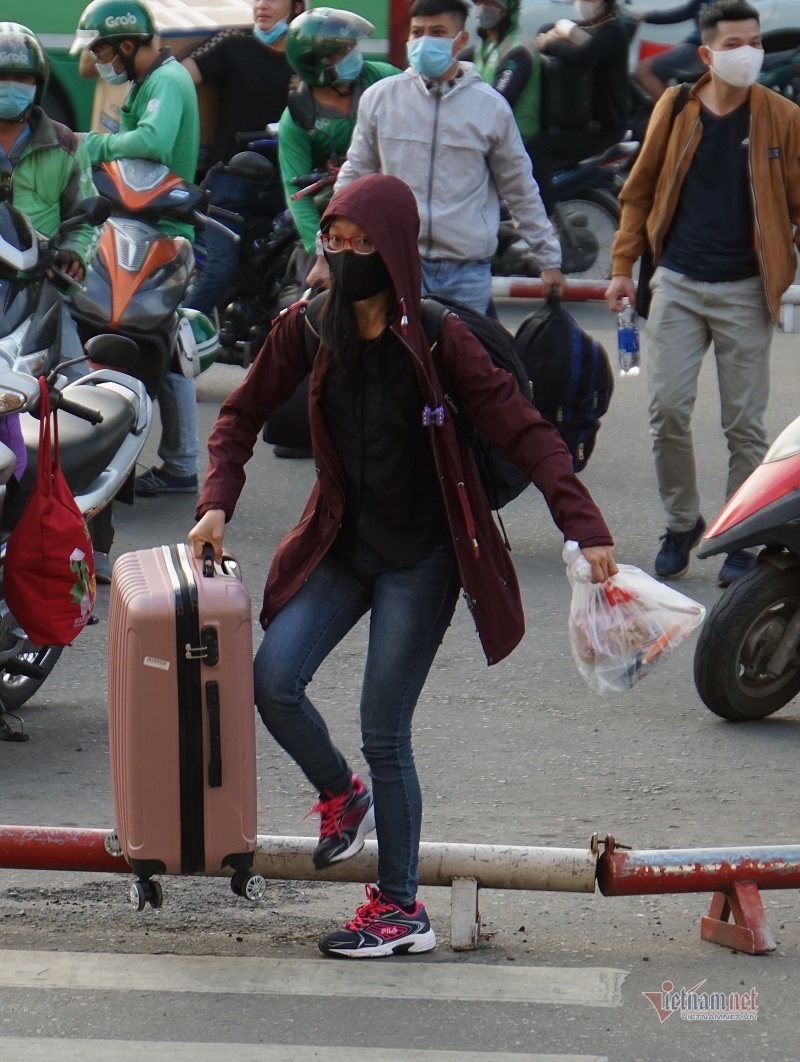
144,892
249,884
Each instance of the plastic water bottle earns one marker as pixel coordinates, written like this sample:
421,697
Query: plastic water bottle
628,340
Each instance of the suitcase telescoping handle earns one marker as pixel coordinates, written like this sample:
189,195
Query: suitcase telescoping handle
208,560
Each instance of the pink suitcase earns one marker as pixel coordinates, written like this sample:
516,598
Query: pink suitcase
181,718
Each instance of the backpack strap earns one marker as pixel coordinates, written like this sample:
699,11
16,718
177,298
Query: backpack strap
432,316
311,315
302,107
680,101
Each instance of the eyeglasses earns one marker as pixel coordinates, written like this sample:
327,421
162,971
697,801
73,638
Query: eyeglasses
102,53
333,244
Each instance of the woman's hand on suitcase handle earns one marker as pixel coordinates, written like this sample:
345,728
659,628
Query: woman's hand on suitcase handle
602,561
210,528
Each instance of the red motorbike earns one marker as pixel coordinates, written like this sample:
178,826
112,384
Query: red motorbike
747,660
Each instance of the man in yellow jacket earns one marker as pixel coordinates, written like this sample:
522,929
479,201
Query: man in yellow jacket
713,197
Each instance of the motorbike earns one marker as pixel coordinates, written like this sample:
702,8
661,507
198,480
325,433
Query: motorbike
747,659
135,283
272,261
586,214
104,419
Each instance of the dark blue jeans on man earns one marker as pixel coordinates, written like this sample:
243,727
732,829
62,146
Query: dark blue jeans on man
222,253
410,610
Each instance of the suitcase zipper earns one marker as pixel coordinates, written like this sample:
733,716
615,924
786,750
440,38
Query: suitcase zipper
190,712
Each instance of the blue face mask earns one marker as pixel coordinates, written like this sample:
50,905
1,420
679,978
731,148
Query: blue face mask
15,98
348,69
109,74
430,56
271,35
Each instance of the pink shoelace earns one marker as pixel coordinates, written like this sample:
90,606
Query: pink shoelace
330,812
369,911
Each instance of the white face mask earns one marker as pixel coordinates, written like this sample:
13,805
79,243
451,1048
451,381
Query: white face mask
739,67
587,9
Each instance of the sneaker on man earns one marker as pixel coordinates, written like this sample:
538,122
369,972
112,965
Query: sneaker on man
673,558
737,564
346,820
381,927
158,481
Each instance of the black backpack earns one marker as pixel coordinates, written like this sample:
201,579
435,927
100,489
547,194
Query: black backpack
571,376
501,479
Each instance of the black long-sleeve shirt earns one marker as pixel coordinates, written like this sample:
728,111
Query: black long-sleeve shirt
373,413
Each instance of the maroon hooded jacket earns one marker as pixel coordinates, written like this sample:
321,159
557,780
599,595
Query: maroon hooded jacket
386,210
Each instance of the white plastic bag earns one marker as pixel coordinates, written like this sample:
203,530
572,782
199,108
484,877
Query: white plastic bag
620,629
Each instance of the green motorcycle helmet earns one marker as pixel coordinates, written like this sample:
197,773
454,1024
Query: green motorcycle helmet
315,38
21,53
113,21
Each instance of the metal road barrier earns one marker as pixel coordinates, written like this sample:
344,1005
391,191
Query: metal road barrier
595,291
532,288
733,875
464,868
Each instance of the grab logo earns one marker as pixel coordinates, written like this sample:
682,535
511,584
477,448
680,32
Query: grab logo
121,20
13,57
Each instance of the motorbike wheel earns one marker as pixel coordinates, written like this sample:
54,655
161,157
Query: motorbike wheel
600,210
739,637
15,690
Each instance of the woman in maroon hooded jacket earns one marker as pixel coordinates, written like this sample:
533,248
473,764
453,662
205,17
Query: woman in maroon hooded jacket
396,525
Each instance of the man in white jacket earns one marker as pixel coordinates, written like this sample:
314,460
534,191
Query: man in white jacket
455,142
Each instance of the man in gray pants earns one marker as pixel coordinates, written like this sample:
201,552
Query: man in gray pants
713,195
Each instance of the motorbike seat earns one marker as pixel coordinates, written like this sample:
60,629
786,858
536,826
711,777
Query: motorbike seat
85,449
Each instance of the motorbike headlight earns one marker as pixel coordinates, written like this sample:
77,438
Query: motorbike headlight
12,343
32,364
786,445
12,401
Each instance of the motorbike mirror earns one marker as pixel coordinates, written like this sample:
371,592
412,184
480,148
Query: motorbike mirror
97,209
112,352
250,166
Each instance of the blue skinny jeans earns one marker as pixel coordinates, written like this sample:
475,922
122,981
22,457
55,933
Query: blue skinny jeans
410,610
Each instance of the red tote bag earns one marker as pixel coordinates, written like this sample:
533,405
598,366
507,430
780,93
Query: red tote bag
49,565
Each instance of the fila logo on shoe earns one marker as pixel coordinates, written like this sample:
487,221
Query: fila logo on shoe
387,931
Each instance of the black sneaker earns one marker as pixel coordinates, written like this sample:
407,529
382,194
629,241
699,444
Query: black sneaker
736,565
381,928
346,821
673,558
158,481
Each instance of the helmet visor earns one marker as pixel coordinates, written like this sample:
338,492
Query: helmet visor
83,39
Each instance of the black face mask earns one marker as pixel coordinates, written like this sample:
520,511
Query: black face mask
360,276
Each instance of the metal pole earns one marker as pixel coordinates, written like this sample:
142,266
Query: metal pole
492,866
640,873
532,288
289,858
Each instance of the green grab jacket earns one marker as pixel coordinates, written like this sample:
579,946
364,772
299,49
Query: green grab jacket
159,120
51,178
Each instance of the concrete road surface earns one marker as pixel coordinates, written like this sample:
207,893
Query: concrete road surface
522,753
